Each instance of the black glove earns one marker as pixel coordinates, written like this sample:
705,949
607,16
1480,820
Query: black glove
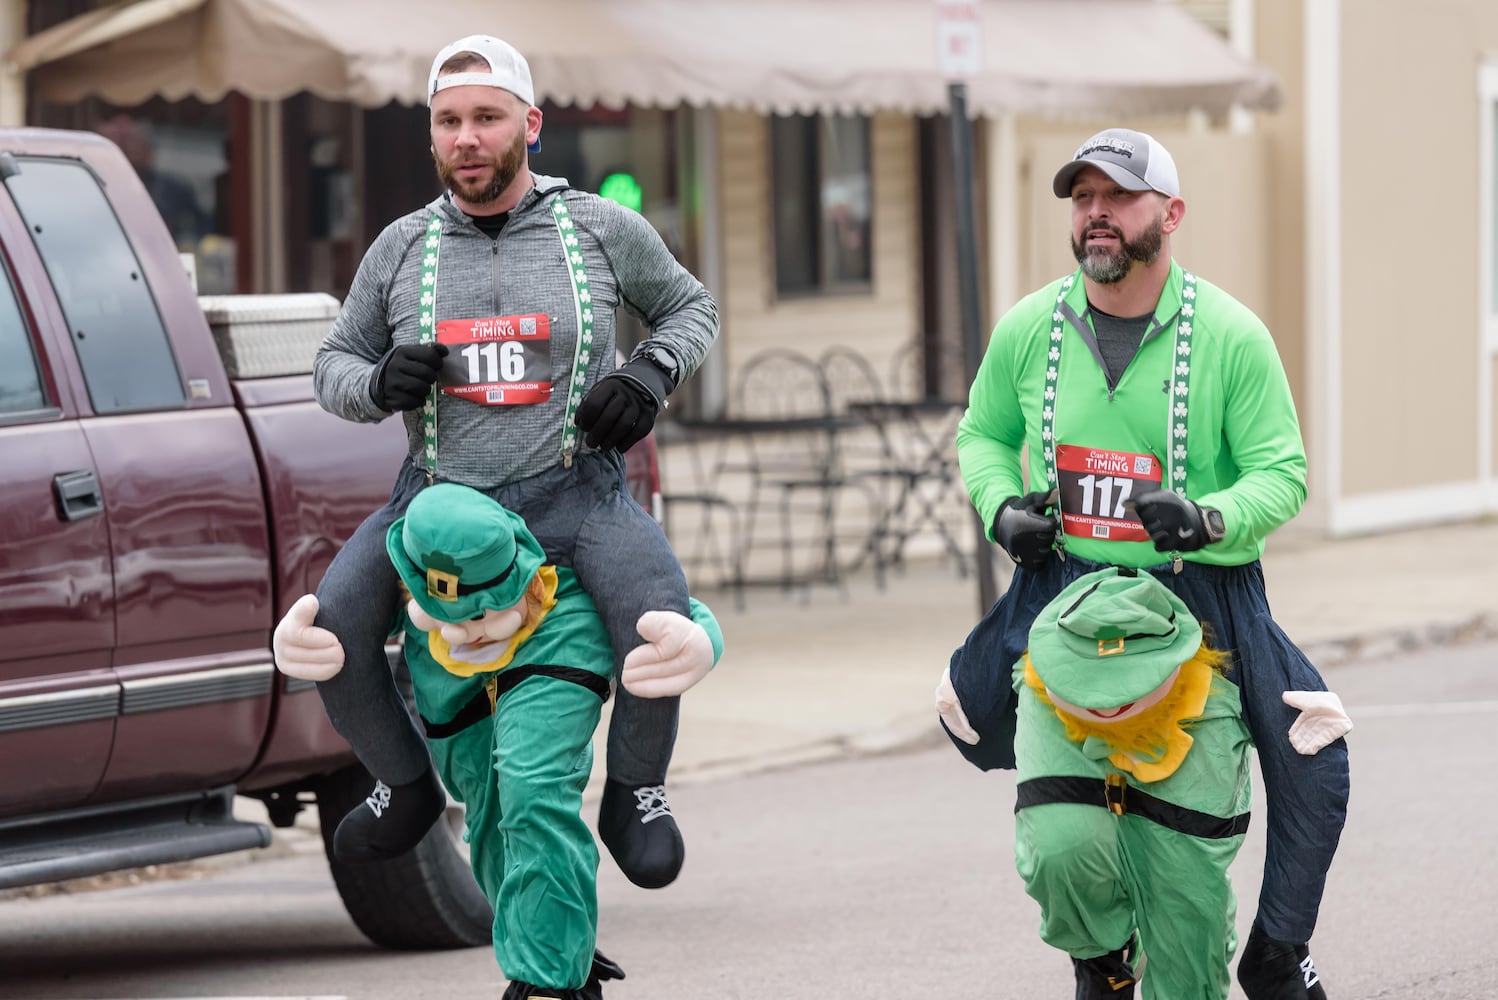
621,408
1024,529
404,378
1175,523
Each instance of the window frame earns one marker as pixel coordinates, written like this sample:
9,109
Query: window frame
98,374
815,175
49,408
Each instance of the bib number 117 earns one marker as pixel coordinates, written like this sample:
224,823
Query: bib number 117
1104,496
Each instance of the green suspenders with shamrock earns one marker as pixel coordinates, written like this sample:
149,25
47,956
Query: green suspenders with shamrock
1175,457
582,353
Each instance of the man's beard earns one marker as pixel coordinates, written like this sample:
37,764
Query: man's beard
1107,268
476,193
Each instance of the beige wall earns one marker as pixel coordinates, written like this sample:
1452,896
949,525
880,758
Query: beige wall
1280,46
1409,238
879,321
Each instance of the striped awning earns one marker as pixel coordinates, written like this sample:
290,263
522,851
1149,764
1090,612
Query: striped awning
1053,58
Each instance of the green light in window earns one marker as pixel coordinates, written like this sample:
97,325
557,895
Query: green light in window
624,189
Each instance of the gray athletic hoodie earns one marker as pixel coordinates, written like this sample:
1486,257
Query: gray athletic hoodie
522,271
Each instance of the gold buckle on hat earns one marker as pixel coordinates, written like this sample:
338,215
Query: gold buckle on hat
443,586
1114,787
1104,649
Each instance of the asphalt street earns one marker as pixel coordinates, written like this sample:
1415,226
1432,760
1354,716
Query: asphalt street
878,875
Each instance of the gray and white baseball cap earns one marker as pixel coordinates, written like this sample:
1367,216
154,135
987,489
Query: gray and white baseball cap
1133,159
508,70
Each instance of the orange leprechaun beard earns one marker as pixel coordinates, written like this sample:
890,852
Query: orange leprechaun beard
1150,741
489,641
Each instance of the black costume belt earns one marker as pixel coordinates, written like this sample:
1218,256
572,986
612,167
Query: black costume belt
1119,797
481,706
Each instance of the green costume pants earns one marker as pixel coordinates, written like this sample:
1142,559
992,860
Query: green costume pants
1101,877
521,774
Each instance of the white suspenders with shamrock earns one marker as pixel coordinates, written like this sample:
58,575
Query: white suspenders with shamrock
1176,413
582,353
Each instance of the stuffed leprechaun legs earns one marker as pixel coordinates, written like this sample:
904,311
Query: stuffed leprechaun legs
1132,788
511,663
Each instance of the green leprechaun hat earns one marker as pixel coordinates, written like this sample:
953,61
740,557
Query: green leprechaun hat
1111,638
461,554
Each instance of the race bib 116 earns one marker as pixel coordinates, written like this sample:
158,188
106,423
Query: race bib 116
497,360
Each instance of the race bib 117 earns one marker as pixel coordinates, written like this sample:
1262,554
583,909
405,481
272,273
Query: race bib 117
1095,485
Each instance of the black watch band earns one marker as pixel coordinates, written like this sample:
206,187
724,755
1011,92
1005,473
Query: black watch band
665,361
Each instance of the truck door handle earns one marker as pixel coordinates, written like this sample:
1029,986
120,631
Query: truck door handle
78,494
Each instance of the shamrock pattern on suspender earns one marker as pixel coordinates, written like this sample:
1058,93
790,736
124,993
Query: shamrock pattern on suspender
582,300
582,354
1180,385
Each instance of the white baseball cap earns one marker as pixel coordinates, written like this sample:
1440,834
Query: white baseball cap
508,70
1135,160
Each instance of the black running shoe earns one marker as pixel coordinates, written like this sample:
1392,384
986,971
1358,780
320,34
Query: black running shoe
603,968
390,821
526,991
637,827
1278,970
1107,977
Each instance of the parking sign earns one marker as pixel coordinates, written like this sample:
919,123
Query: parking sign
959,36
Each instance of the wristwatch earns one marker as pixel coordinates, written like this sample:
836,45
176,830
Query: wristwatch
664,360
1212,521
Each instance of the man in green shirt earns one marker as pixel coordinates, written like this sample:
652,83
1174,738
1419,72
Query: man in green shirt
1160,434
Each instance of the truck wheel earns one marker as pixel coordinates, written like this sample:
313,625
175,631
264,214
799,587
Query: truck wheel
423,900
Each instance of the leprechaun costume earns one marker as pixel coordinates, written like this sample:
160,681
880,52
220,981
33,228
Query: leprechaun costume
1133,788
510,723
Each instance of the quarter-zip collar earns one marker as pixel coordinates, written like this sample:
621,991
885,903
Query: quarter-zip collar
1074,308
455,220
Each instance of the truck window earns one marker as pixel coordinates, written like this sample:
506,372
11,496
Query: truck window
20,381
116,328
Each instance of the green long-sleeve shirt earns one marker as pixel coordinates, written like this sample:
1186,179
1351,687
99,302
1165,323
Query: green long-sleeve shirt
1245,455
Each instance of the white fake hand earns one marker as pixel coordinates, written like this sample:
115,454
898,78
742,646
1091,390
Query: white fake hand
950,710
302,649
676,655
1321,721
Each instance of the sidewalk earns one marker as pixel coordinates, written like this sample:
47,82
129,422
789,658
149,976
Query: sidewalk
830,674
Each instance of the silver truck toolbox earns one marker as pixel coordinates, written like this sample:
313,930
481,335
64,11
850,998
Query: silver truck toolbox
259,336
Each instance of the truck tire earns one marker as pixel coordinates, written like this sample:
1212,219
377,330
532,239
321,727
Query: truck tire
426,899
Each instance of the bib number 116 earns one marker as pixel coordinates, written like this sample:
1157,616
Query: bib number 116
494,361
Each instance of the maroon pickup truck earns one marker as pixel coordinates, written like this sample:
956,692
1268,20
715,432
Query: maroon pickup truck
161,509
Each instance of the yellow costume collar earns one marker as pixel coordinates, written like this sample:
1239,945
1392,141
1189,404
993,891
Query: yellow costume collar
1152,744
442,652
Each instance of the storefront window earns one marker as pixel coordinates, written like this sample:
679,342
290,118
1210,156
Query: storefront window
821,193
627,155
323,224
180,151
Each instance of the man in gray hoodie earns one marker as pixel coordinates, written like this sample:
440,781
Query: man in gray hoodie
486,318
